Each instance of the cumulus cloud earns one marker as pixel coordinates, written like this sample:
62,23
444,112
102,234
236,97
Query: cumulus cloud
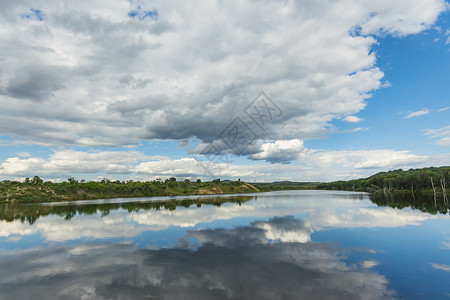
36,82
352,119
191,168
114,73
369,264
312,165
365,159
65,162
280,151
418,113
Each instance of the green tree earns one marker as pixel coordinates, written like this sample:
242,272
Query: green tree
36,180
72,180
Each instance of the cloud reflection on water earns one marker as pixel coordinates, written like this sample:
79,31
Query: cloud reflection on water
320,211
239,263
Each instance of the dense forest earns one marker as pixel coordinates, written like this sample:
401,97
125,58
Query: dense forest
424,189
414,180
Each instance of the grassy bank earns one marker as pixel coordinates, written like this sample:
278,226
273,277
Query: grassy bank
35,190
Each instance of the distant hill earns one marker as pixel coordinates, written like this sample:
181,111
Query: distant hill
284,185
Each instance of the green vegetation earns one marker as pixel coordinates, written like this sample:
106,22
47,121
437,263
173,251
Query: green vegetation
425,189
413,180
36,190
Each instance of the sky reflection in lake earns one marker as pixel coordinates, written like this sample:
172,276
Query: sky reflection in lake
279,245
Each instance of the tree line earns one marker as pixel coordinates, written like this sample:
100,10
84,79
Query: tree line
432,180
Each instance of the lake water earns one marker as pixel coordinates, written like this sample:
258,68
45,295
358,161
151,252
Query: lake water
277,245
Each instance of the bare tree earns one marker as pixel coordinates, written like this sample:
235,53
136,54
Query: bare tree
444,190
434,191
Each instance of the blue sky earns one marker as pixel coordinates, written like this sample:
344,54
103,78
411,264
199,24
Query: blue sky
144,89
417,68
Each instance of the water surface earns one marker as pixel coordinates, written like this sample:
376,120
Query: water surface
277,245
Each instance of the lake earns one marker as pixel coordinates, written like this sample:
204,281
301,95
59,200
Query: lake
276,245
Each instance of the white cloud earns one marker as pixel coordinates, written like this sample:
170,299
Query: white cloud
192,168
24,154
65,162
446,245
445,141
280,151
353,164
310,165
365,159
369,264
55,228
366,217
357,214
444,108
133,164
352,119
286,229
441,267
442,135
355,130
114,74
390,19
419,113
130,273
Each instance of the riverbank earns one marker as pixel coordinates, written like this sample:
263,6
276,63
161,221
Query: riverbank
35,190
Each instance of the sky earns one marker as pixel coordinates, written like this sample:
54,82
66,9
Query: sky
252,90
